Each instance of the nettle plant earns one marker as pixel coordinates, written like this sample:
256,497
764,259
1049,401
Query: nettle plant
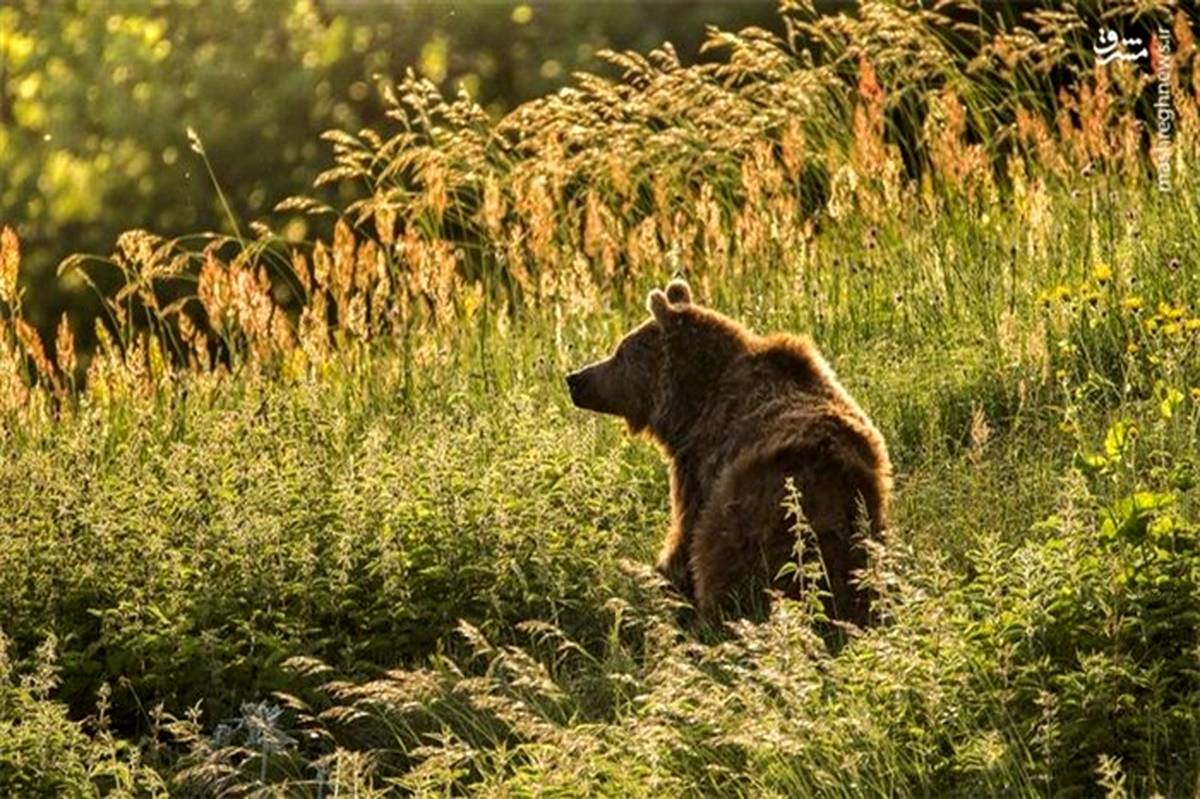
1086,640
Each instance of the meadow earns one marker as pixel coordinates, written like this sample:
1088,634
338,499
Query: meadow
321,520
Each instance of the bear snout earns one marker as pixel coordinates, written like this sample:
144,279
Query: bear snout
577,385
588,387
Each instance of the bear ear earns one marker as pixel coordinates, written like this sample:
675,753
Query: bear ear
678,292
659,306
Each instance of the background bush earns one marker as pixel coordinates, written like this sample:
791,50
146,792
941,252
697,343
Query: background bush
96,99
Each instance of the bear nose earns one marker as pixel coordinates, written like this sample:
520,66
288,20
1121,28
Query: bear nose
575,385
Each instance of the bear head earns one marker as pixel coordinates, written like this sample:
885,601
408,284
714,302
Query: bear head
664,370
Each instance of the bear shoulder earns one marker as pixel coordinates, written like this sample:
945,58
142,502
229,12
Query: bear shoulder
798,361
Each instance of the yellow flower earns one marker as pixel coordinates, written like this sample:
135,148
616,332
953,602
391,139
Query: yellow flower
1171,311
1192,324
1151,324
1131,347
1133,303
1055,295
1196,393
1171,329
1102,274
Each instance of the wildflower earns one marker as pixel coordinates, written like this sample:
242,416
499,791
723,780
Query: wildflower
1059,294
1102,274
1151,324
1133,303
1131,348
1171,329
1192,325
1173,264
1196,393
1169,311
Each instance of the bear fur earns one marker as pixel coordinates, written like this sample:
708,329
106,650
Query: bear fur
737,414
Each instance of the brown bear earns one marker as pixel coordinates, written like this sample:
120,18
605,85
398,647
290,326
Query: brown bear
737,414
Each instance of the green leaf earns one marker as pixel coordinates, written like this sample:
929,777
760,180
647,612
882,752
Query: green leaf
1171,399
1115,440
1183,476
1131,516
1090,463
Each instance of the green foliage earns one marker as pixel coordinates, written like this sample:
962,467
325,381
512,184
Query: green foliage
43,753
1060,663
1063,662
194,550
96,99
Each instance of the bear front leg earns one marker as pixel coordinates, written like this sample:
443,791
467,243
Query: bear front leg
731,552
844,560
719,561
673,565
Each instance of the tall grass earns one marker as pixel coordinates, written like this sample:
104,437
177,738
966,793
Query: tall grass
320,519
